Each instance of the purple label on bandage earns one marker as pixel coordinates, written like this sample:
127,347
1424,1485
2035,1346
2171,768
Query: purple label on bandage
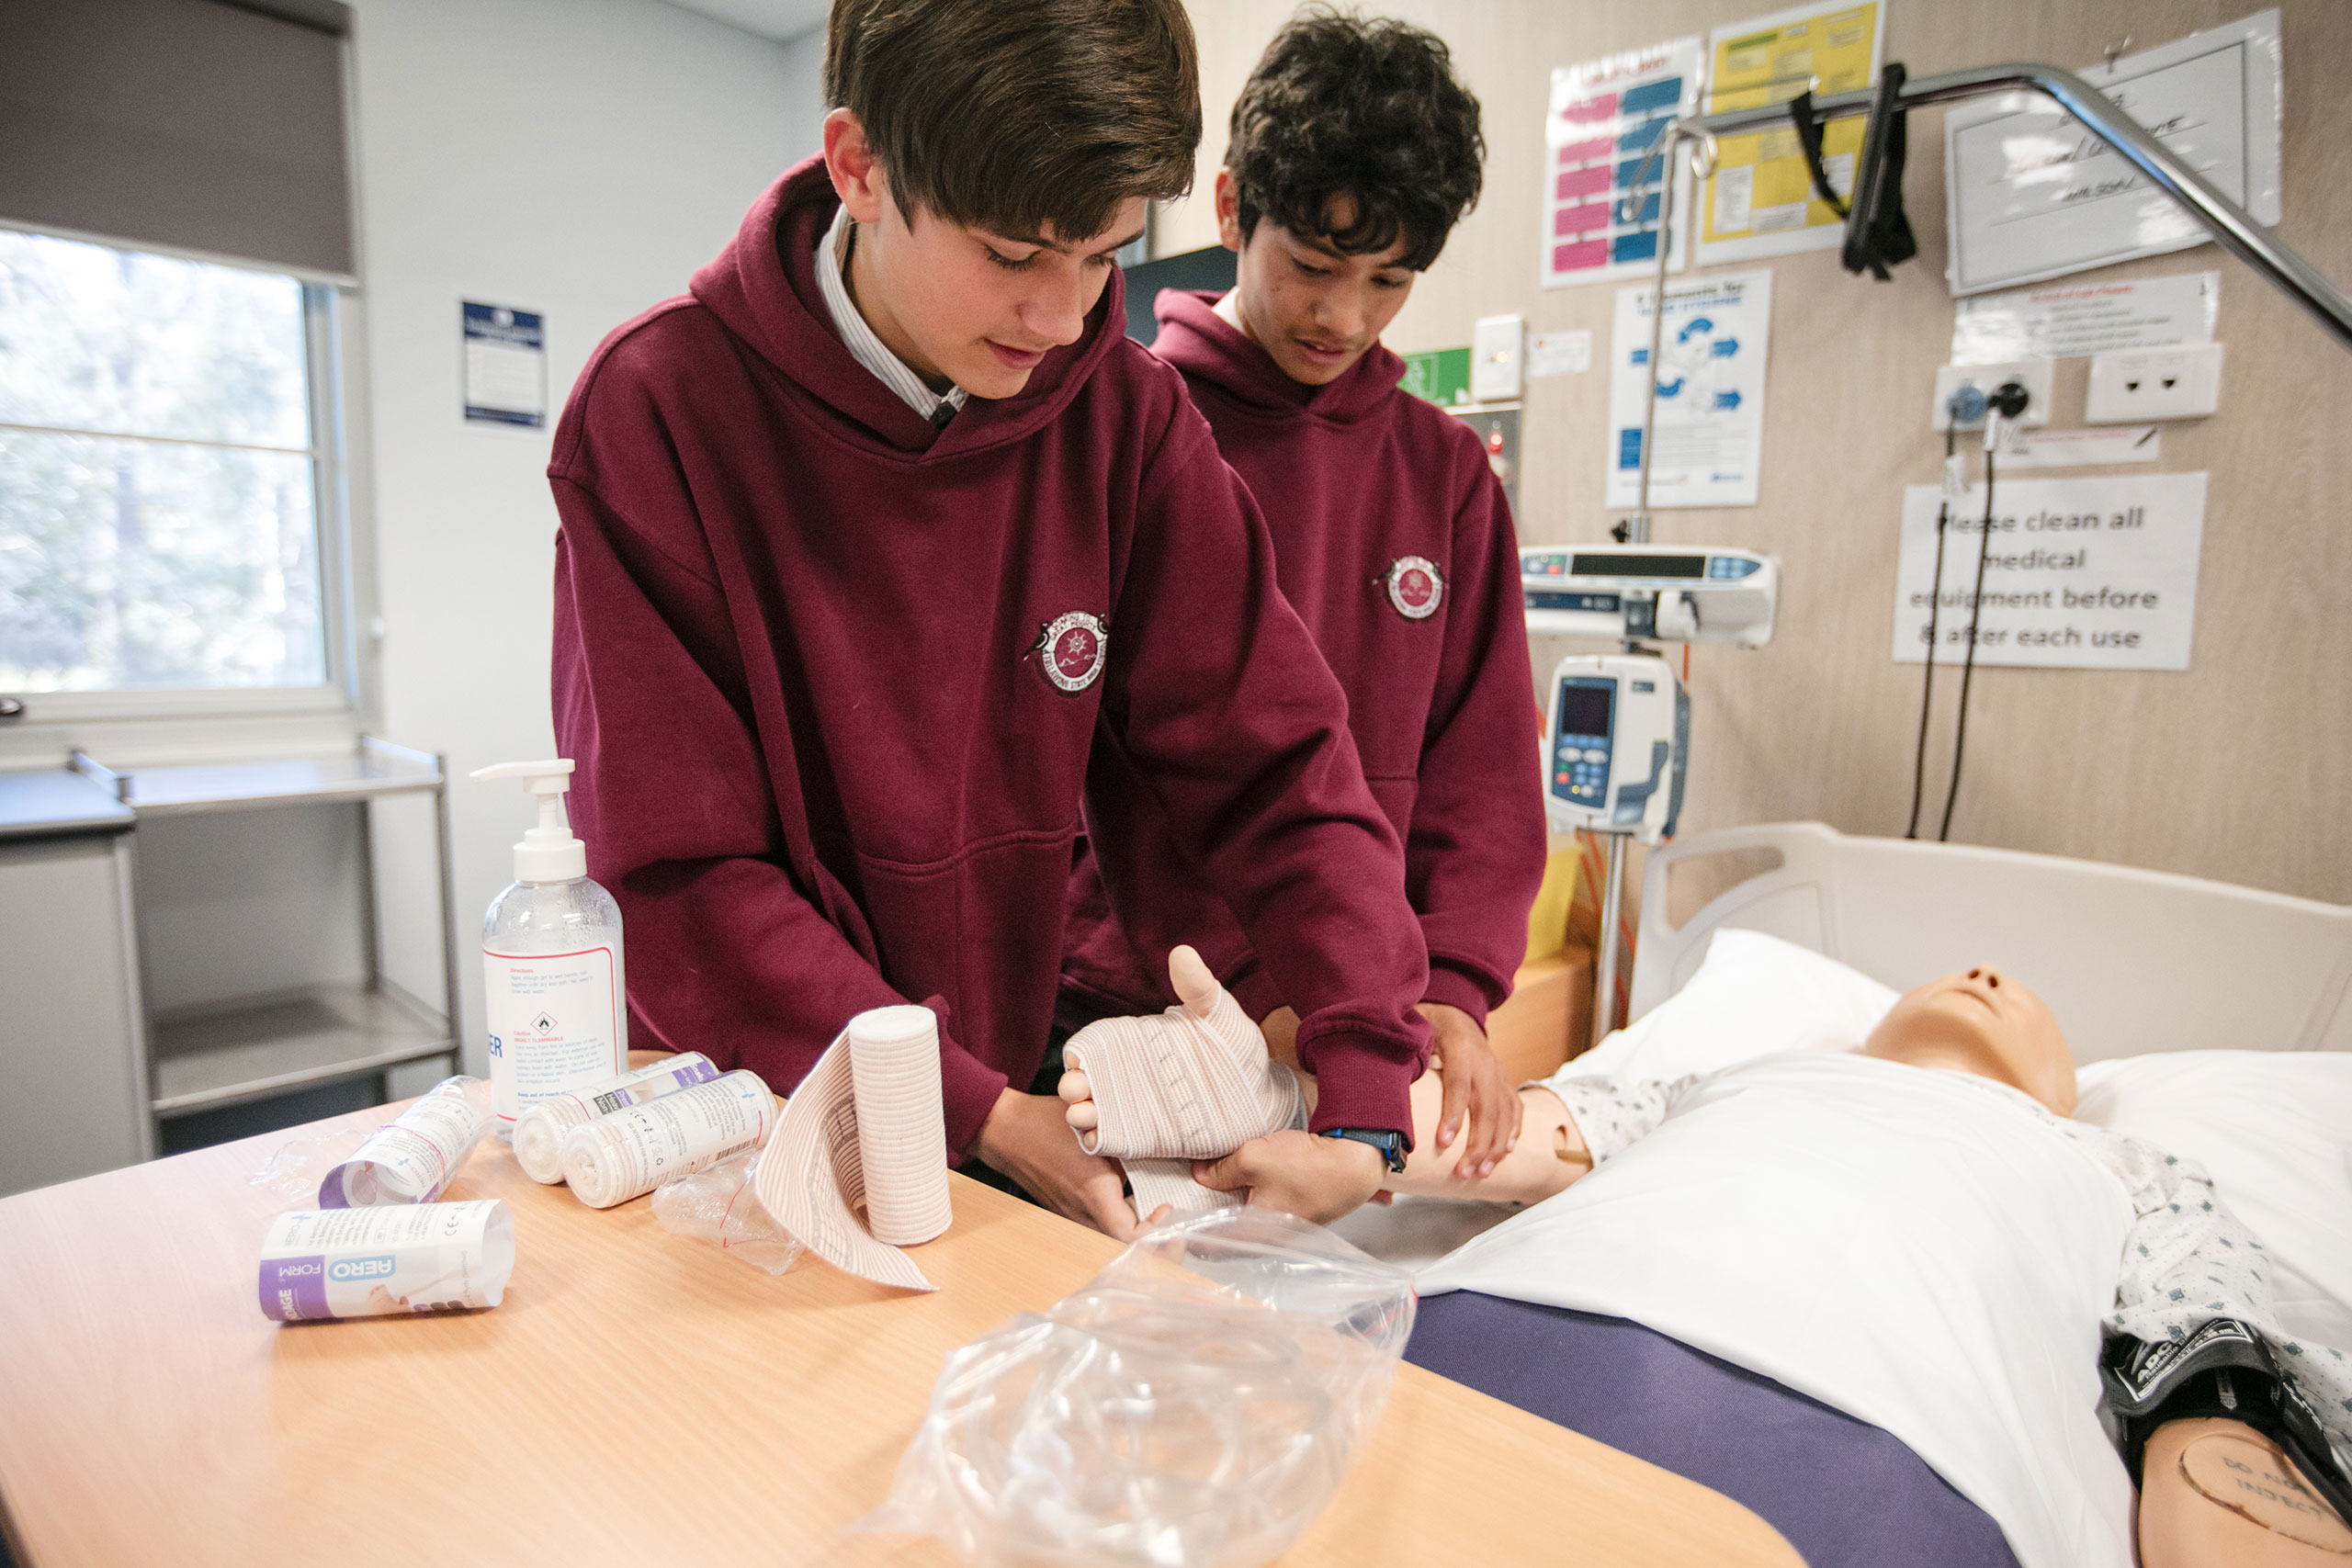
294,1288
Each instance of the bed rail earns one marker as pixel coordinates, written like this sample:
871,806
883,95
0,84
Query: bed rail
2131,961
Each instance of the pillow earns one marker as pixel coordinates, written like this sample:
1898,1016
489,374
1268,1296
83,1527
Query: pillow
2274,1130
1754,995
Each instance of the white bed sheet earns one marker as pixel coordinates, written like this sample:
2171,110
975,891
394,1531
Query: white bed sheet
1905,1245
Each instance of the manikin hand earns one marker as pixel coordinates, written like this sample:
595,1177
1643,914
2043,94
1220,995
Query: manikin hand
1474,1086
1315,1179
1027,1138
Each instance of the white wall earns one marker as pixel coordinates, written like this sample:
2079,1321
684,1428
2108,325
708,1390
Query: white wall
578,158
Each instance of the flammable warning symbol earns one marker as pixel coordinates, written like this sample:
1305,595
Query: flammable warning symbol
544,1025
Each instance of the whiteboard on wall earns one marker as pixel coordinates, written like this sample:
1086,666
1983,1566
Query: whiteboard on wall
2032,192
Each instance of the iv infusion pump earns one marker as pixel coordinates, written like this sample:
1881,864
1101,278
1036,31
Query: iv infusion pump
1615,744
1655,593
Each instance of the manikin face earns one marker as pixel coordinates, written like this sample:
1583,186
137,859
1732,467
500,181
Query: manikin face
1313,309
1983,1022
964,305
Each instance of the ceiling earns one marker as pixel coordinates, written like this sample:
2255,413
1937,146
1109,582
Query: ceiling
782,20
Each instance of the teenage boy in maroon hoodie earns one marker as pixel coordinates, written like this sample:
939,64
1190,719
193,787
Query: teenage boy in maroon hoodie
881,537
1353,151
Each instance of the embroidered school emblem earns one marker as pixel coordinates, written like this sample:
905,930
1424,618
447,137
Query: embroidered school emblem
1416,587
1071,649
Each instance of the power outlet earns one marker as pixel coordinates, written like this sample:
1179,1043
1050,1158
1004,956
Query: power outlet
2033,375
2132,385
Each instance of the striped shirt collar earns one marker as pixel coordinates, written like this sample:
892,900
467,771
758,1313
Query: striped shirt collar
864,347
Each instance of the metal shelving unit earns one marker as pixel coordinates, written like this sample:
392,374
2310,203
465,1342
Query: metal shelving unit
253,1047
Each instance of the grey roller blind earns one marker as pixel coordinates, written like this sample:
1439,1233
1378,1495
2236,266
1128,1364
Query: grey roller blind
191,125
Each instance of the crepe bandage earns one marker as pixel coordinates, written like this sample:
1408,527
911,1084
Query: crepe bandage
1176,1086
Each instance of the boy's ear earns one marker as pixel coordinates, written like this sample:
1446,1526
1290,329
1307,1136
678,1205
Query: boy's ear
857,175
1229,212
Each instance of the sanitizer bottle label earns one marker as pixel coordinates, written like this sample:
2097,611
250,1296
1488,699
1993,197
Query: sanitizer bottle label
555,1024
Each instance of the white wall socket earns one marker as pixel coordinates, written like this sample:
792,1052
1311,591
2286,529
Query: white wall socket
2033,375
2132,385
1498,344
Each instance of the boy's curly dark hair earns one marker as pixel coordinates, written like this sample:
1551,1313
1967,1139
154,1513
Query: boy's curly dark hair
1340,104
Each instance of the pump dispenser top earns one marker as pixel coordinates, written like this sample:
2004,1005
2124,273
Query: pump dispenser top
549,853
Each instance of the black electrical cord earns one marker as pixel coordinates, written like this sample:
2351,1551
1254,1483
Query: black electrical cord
1935,597
1968,662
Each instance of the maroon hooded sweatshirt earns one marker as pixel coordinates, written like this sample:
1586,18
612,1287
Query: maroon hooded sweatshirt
1364,488
833,679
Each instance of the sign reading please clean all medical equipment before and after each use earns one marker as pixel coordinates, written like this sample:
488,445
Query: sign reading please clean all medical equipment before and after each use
2082,574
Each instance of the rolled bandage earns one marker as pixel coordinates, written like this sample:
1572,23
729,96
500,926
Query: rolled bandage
541,1130
411,1158
329,1263
902,1123
633,1151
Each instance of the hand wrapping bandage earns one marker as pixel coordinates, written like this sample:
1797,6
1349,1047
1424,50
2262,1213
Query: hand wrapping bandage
1182,1084
1192,1082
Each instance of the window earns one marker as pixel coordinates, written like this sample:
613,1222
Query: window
161,473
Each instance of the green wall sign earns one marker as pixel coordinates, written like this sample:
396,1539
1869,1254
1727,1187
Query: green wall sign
1441,376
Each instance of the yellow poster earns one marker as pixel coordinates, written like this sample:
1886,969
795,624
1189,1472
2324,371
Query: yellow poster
1761,201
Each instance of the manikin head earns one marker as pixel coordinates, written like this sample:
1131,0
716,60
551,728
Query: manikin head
994,155
1983,1022
1354,152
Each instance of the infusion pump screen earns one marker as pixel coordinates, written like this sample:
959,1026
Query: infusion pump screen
1580,756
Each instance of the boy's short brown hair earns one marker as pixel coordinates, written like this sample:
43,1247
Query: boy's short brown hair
1016,115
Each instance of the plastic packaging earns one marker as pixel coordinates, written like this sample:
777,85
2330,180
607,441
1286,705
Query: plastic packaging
329,1263
1194,1406
554,985
411,1158
719,1206
630,1153
539,1132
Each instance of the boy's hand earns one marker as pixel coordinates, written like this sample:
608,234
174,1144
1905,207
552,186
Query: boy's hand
1315,1179
1027,1139
1475,1087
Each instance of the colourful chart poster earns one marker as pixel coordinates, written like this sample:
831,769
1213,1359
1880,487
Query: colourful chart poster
1760,200
1605,176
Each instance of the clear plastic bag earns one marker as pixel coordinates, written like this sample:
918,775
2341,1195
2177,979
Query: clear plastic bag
719,1206
1194,1406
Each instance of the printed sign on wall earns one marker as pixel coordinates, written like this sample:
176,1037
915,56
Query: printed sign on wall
1708,427
1605,175
1759,201
506,366
2083,574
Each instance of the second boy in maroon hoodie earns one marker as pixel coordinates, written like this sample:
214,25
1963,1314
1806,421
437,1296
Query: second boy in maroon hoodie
876,538
1353,151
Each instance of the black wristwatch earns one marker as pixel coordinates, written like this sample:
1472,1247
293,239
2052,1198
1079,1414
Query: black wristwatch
1391,1144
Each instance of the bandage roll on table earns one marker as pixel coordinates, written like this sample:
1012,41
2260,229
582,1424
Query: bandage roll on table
630,1153
901,1123
412,1158
541,1130
370,1262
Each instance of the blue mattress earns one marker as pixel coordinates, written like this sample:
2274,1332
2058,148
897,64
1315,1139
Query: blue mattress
1844,1494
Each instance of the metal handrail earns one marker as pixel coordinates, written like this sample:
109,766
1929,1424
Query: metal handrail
2237,232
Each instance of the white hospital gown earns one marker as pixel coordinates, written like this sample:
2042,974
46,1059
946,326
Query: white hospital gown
2187,1261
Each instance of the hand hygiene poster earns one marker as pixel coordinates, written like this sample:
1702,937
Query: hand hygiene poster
1759,201
2083,574
1710,421
1605,169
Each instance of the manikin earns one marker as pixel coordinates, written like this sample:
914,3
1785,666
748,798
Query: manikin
1979,1021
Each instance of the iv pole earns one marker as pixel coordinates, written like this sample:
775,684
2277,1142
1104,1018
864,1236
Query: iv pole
2231,227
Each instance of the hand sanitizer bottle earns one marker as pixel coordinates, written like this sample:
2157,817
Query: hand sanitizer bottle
552,981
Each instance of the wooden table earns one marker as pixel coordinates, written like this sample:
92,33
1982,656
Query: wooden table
638,1400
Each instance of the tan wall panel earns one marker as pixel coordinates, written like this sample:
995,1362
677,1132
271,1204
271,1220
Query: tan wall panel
2241,768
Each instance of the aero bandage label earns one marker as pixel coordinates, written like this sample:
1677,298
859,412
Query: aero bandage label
554,1024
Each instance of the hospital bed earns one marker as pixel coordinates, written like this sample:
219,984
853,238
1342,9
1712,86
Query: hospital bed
2131,962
